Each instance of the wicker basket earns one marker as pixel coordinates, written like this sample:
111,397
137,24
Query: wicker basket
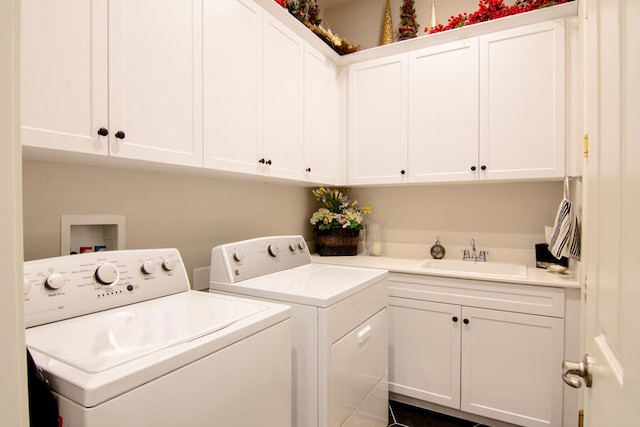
338,242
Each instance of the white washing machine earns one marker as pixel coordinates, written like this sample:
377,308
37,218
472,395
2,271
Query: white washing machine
340,331
124,342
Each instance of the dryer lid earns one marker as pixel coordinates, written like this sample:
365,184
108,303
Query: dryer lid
100,341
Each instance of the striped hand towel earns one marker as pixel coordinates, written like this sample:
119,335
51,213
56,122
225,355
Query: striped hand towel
565,239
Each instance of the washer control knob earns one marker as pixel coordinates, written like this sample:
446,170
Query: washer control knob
273,250
27,286
301,245
238,255
107,274
293,247
169,264
54,281
148,267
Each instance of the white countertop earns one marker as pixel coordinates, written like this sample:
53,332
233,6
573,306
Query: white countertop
535,276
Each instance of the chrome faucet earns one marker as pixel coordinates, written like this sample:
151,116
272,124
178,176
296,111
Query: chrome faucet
474,256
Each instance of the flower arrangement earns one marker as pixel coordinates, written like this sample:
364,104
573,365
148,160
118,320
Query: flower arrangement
337,210
492,9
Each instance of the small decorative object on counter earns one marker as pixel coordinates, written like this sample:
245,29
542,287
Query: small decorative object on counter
437,250
375,244
338,222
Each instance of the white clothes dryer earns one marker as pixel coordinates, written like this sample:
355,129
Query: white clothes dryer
124,342
340,326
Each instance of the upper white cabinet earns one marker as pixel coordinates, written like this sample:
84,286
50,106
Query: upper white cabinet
117,77
322,142
63,75
484,108
378,121
443,112
522,102
232,85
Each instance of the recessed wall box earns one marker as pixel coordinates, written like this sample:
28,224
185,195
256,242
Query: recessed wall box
81,233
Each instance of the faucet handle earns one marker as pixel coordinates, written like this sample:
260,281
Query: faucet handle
465,254
482,255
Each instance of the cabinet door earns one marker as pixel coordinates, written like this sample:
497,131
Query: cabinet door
63,75
443,112
378,121
155,80
321,137
282,124
424,350
231,85
522,102
511,366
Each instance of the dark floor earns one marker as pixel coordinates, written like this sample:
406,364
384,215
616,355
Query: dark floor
402,415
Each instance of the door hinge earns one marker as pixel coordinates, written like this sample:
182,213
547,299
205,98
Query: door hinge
586,145
581,418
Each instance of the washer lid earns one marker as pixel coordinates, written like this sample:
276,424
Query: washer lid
100,341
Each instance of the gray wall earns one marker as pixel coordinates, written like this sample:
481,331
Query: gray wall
192,213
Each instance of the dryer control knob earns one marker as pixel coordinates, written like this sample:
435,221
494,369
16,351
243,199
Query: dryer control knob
301,245
54,281
238,255
169,264
273,250
293,247
107,274
148,267
27,286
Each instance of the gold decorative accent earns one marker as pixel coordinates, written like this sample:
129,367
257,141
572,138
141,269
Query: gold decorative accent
387,25
586,145
433,19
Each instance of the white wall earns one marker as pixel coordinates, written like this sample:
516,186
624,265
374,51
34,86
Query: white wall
360,21
196,213
191,213
13,377
507,218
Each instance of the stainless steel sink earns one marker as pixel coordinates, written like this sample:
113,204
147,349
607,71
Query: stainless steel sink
495,269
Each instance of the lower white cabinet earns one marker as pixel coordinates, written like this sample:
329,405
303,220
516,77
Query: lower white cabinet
490,349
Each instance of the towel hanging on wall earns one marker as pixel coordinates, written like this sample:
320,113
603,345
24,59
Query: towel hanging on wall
565,239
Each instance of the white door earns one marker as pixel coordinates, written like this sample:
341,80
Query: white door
378,121
424,350
155,80
231,84
63,75
522,102
443,112
321,133
613,209
509,368
282,123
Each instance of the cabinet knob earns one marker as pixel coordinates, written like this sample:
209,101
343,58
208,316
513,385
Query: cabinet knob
465,321
261,161
455,319
120,135
402,172
483,167
268,162
308,169
473,168
103,132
